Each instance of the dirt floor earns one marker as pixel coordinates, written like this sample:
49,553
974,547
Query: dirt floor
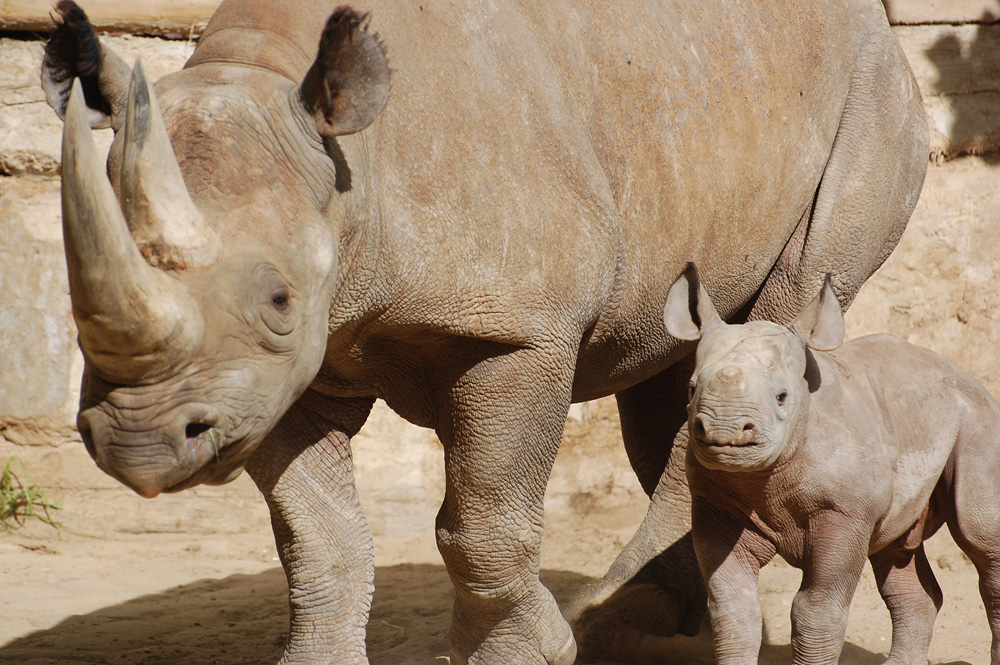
194,578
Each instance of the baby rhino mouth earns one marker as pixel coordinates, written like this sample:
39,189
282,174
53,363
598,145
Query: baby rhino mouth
730,433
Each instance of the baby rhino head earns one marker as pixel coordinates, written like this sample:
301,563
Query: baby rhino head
751,382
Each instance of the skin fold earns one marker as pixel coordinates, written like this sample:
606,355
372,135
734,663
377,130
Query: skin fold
828,454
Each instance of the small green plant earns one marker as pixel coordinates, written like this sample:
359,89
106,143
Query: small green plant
20,500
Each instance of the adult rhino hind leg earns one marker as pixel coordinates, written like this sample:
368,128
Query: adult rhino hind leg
868,190
501,430
305,472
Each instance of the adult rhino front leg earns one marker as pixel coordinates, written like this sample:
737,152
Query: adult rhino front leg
501,430
305,472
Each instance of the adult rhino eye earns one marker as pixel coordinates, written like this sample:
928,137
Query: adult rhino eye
279,298
690,391
277,307
782,396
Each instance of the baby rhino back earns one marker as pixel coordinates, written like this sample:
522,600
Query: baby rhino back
913,412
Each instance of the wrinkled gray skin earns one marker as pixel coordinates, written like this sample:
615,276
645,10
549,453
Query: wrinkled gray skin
482,242
828,456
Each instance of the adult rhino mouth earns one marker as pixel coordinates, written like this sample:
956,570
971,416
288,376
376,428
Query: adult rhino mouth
188,450
225,468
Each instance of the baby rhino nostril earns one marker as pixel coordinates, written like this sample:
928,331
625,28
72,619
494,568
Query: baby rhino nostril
700,431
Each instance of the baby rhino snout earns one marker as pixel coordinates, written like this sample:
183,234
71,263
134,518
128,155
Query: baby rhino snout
723,431
722,425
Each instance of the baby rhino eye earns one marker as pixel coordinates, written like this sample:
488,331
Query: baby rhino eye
782,396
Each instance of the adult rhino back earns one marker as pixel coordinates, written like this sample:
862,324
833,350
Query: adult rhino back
632,138
479,243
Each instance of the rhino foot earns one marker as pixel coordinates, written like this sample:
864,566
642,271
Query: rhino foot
538,635
640,623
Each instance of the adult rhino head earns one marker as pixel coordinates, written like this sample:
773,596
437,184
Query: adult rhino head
749,393
195,347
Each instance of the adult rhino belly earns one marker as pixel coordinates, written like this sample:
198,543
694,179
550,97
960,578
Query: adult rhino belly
714,141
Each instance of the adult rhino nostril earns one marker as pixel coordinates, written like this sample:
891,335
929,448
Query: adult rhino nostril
204,434
194,430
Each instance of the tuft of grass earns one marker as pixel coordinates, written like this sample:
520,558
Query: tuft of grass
21,500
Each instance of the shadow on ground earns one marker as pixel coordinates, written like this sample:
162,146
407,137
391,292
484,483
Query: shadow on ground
242,620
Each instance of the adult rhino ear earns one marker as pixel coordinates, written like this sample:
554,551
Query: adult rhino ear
74,52
689,311
821,323
348,84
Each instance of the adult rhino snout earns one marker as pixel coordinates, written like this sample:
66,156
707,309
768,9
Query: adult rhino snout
151,460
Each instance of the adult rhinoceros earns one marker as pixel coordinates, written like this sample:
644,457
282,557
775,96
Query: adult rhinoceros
286,236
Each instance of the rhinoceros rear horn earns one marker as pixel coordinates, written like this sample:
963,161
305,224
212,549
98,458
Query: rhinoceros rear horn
689,311
134,321
165,224
348,84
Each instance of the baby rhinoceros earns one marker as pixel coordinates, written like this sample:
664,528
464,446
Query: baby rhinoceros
828,454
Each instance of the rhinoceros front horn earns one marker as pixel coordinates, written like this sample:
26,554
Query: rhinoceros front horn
165,224
134,321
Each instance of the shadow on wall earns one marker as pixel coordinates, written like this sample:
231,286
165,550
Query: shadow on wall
969,76
961,86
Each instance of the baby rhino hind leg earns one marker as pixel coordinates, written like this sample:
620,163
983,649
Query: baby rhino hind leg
975,517
907,585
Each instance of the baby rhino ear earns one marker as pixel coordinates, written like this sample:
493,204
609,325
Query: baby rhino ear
689,311
348,84
821,323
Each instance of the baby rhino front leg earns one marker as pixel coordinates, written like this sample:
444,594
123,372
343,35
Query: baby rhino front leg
835,547
730,557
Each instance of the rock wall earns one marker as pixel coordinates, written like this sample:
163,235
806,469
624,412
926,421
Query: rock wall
937,289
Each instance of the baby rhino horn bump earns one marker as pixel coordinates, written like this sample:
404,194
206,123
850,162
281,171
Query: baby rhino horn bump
166,225
133,320
730,375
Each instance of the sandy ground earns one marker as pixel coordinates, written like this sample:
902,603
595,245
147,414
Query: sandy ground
194,578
